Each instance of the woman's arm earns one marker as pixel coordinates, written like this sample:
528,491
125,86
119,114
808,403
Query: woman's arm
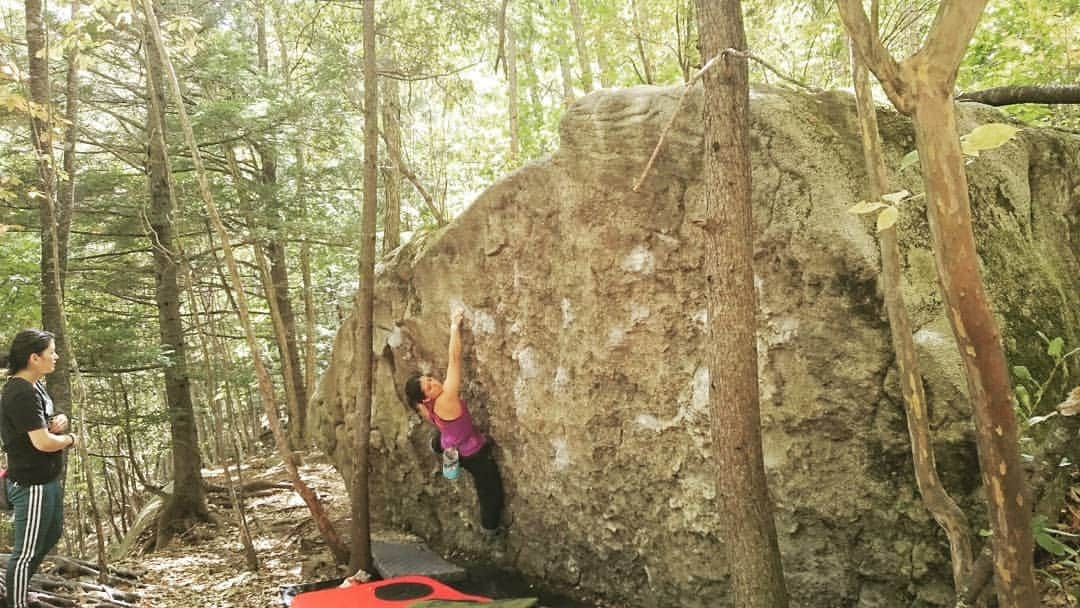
44,441
448,404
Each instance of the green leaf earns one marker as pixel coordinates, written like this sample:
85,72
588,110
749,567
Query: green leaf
1022,373
1055,347
909,159
887,218
1023,397
987,137
1051,544
863,207
895,197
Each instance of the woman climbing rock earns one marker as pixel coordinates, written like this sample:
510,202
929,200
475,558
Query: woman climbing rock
440,404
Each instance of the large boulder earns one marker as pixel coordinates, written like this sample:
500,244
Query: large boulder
586,353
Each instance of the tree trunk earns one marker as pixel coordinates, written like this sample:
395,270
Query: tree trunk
266,389
512,93
748,530
291,371
281,333
640,25
305,246
66,201
581,40
287,347
391,175
309,316
686,37
979,340
361,423
187,503
565,72
607,73
921,86
934,495
52,297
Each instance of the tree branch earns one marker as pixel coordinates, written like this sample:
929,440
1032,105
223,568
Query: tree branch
872,53
950,34
1009,95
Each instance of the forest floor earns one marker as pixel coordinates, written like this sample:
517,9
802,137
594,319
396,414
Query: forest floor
208,562
206,566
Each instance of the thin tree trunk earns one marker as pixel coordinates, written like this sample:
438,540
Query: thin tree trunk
112,502
921,86
581,40
52,297
266,389
309,315
640,26
305,246
748,530
212,403
279,270
66,201
391,175
126,429
88,478
266,274
685,37
979,340
187,503
361,426
607,73
565,71
121,487
293,374
935,497
512,92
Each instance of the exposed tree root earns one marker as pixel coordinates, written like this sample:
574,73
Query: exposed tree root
63,585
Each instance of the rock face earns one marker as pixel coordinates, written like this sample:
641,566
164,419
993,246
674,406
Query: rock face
585,352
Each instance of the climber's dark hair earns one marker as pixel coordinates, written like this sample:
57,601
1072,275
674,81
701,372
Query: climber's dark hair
413,393
25,343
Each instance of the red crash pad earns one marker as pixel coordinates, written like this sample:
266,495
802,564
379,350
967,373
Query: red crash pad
398,591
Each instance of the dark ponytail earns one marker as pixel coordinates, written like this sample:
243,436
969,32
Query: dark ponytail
413,393
27,342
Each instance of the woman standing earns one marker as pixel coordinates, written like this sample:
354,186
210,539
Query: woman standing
32,436
440,404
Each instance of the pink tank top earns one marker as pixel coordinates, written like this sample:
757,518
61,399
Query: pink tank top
458,433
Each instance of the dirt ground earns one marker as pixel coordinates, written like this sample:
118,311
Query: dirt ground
208,563
206,568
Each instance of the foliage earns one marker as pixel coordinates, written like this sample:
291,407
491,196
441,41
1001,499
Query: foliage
981,138
1030,392
1026,43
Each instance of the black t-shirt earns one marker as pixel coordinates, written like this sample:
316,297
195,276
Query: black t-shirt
26,407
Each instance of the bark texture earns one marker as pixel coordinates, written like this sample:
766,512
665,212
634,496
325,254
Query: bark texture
49,214
934,494
747,529
921,86
360,417
187,503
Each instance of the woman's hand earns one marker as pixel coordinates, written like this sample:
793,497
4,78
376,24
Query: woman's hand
456,317
58,424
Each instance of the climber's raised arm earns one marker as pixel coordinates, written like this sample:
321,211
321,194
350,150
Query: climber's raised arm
448,404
